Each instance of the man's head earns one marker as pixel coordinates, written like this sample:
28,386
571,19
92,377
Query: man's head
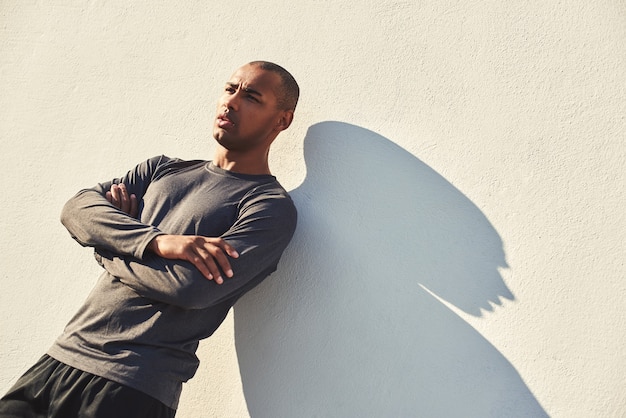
289,90
257,103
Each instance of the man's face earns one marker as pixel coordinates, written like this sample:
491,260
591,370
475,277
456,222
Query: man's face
247,112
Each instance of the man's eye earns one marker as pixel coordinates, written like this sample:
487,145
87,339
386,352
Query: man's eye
252,98
229,90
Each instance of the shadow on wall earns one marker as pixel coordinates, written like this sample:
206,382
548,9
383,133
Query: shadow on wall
345,328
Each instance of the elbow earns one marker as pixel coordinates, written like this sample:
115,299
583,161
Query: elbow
69,219
67,213
71,210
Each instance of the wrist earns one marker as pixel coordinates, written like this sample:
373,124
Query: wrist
153,245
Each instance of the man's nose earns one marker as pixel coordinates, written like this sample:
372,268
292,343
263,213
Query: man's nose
232,101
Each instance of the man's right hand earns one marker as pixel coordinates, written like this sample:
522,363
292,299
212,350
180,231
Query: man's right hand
208,255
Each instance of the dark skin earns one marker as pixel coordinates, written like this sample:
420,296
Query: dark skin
247,121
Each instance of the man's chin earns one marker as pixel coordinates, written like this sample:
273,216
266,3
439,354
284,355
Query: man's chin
225,142
220,135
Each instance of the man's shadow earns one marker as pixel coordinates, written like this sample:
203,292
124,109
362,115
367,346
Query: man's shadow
349,326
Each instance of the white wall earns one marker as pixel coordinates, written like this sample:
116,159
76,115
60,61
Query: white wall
458,169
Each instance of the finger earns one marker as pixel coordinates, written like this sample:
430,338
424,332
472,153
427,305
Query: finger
134,206
108,197
229,249
204,261
209,255
226,247
209,263
124,199
115,195
199,263
215,270
220,258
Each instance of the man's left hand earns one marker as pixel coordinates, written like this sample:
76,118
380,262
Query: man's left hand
118,197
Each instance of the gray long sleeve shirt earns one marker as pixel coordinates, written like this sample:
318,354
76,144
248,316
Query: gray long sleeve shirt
142,322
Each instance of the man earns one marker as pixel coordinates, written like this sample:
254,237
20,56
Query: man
180,242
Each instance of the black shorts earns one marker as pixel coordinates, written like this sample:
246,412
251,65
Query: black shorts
51,389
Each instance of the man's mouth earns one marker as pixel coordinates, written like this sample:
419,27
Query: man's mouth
224,122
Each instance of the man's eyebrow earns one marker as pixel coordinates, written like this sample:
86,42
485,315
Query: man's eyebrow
246,89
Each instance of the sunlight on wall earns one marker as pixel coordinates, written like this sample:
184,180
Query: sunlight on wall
458,170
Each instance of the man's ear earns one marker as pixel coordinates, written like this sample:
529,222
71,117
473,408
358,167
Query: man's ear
285,120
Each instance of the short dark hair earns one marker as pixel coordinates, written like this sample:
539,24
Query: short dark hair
290,89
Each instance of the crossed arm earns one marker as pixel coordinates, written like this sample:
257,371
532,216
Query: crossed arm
186,271
208,254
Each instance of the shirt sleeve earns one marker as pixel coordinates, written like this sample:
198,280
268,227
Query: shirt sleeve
260,235
94,222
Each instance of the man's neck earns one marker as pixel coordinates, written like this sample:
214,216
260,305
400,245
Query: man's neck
241,163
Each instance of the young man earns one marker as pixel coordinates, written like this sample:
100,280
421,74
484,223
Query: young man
180,242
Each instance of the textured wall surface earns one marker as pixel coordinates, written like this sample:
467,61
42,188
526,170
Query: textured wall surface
458,169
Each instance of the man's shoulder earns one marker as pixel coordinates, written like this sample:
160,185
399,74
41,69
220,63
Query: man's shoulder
271,198
272,191
163,165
